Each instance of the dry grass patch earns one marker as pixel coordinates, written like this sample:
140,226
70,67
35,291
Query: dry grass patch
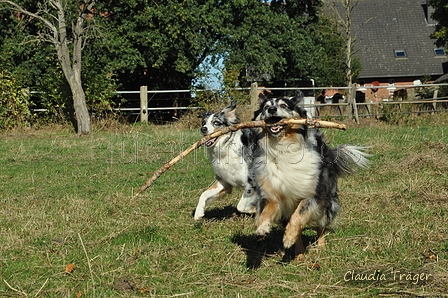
68,200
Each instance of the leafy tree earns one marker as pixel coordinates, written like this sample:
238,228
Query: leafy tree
440,15
171,38
162,43
281,40
64,25
33,63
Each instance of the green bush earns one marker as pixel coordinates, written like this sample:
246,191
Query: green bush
14,103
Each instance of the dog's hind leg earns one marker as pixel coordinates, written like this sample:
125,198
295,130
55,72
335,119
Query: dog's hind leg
293,232
321,237
213,192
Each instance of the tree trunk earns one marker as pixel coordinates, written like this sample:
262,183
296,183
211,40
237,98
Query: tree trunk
72,67
81,111
56,33
73,76
348,58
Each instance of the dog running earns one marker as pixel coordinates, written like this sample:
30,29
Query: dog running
230,157
295,173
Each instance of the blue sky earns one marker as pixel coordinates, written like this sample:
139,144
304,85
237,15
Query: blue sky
213,77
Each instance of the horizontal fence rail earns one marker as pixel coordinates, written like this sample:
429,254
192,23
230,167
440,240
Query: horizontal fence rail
348,108
431,101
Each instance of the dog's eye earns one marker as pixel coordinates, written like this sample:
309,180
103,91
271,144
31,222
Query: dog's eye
217,123
283,106
266,107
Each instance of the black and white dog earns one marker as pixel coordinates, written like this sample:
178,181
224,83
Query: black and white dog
230,156
296,173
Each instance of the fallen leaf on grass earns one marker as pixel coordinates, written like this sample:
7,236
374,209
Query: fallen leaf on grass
314,266
69,268
79,294
144,290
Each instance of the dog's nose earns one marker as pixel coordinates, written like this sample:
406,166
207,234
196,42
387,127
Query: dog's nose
272,110
204,130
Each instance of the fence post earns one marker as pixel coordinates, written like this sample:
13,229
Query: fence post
350,105
144,103
253,96
355,107
434,101
368,107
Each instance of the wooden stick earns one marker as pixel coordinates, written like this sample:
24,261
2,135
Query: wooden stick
232,128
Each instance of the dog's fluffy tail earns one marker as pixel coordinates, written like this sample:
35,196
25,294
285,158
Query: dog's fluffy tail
351,155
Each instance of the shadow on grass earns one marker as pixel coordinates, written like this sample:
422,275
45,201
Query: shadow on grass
223,213
257,248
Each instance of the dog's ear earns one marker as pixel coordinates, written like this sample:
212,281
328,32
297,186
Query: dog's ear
298,98
298,93
299,103
205,114
230,112
261,97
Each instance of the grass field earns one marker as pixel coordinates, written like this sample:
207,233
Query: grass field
71,227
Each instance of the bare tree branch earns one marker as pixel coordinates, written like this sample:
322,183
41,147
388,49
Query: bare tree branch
46,22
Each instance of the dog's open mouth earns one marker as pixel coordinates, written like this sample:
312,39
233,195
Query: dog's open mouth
277,128
210,142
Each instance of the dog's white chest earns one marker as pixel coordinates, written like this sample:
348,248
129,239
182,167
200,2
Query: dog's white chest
228,163
291,169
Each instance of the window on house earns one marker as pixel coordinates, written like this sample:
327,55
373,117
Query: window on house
439,52
400,54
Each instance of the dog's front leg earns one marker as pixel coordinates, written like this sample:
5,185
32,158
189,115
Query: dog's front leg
293,231
268,212
248,201
212,193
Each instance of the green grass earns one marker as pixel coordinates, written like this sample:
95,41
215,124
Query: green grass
67,200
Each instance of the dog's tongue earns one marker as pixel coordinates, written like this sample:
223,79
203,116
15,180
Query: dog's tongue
276,129
210,142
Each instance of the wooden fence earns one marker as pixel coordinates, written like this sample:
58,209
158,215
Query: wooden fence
348,109
176,101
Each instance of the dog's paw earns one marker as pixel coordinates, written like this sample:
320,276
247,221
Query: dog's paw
263,229
251,210
289,241
246,205
199,214
248,210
